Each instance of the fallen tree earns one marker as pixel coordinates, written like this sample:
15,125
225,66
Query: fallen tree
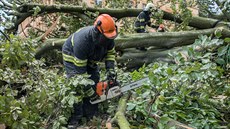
24,10
131,57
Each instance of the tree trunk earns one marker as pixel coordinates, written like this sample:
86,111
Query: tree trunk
158,39
165,39
135,58
27,10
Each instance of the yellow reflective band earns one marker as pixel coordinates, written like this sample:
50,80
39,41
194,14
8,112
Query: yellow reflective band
141,20
72,40
76,61
142,27
90,92
110,57
73,36
112,50
111,54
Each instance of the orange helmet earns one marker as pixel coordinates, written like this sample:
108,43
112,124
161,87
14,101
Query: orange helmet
106,25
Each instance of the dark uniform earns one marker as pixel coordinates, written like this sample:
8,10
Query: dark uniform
81,52
142,20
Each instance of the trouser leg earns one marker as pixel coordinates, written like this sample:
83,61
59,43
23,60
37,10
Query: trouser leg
76,115
89,109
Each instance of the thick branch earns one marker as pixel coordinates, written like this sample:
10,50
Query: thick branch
120,114
197,22
133,58
172,123
118,13
50,44
165,40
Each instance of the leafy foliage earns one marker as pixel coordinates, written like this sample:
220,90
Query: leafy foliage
17,52
32,96
194,91
182,12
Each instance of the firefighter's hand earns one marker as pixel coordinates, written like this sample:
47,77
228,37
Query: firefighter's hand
111,75
113,83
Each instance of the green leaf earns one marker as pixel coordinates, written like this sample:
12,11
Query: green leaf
62,120
218,33
207,66
164,119
144,95
152,120
131,106
169,71
15,116
222,50
220,61
227,40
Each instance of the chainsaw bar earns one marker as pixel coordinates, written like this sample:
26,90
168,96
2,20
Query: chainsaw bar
134,85
117,90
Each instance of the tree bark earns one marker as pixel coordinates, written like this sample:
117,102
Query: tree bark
158,39
135,58
120,114
172,123
48,45
27,10
166,39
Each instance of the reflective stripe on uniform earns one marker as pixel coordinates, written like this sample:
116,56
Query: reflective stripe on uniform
142,20
110,55
74,60
72,39
90,92
139,27
142,27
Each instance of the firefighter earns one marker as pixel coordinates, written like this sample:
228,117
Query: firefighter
81,51
143,19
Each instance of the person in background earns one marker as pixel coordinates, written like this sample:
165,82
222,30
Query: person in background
81,52
143,19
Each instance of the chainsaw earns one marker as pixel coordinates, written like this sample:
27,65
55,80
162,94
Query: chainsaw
106,90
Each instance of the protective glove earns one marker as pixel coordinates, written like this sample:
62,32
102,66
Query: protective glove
90,93
111,74
112,78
